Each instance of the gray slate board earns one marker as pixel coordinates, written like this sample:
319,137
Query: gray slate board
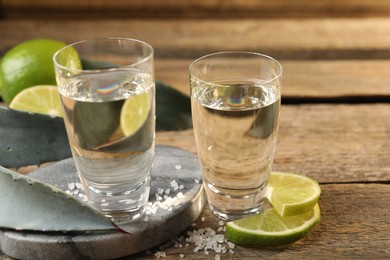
157,229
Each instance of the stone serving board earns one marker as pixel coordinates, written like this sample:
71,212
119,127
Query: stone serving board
170,164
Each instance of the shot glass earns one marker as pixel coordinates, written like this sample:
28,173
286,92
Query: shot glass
107,91
235,99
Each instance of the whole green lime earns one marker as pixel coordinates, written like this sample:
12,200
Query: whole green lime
28,64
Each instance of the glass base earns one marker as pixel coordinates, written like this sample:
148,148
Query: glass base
233,215
230,204
123,217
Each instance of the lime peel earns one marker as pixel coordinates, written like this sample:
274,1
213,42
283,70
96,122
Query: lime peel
290,229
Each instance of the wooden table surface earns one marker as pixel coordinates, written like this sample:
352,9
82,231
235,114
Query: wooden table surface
335,122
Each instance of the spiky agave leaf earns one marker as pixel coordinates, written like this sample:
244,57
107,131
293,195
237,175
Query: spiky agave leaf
28,204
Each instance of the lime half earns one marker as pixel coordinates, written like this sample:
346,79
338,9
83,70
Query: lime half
134,113
270,229
28,64
292,194
42,99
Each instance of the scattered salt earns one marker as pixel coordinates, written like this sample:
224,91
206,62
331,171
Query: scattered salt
196,181
174,185
231,245
159,254
203,219
221,223
178,167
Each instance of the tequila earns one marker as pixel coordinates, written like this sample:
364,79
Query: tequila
114,165
235,125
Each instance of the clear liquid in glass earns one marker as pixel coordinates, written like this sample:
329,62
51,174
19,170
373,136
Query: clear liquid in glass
114,168
236,125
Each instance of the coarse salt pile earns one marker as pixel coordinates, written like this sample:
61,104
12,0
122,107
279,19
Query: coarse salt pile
164,201
205,240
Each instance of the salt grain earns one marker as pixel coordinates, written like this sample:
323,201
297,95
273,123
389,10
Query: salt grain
178,167
174,185
231,245
159,254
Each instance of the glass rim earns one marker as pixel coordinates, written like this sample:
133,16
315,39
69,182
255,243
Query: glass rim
57,64
278,64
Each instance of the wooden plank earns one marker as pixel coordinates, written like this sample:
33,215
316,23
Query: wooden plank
191,38
325,80
194,8
354,225
328,142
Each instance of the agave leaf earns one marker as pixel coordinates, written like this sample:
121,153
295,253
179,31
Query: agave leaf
173,109
91,132
27,139
28,204
31,139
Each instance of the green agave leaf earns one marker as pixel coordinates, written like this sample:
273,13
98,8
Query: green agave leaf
30,139
28,204
173,109
96,122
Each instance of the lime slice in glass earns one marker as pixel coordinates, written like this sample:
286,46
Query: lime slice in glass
134,113
42,99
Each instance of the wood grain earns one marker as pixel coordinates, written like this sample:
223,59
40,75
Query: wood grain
357,211
193,8
307,79
332,143
192,38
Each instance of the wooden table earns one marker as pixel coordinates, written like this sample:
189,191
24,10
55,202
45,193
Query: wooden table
334,125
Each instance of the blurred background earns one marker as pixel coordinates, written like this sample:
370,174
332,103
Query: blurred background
180,31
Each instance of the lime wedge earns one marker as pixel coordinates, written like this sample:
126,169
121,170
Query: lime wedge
270,229
134,113
292,194
42,99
